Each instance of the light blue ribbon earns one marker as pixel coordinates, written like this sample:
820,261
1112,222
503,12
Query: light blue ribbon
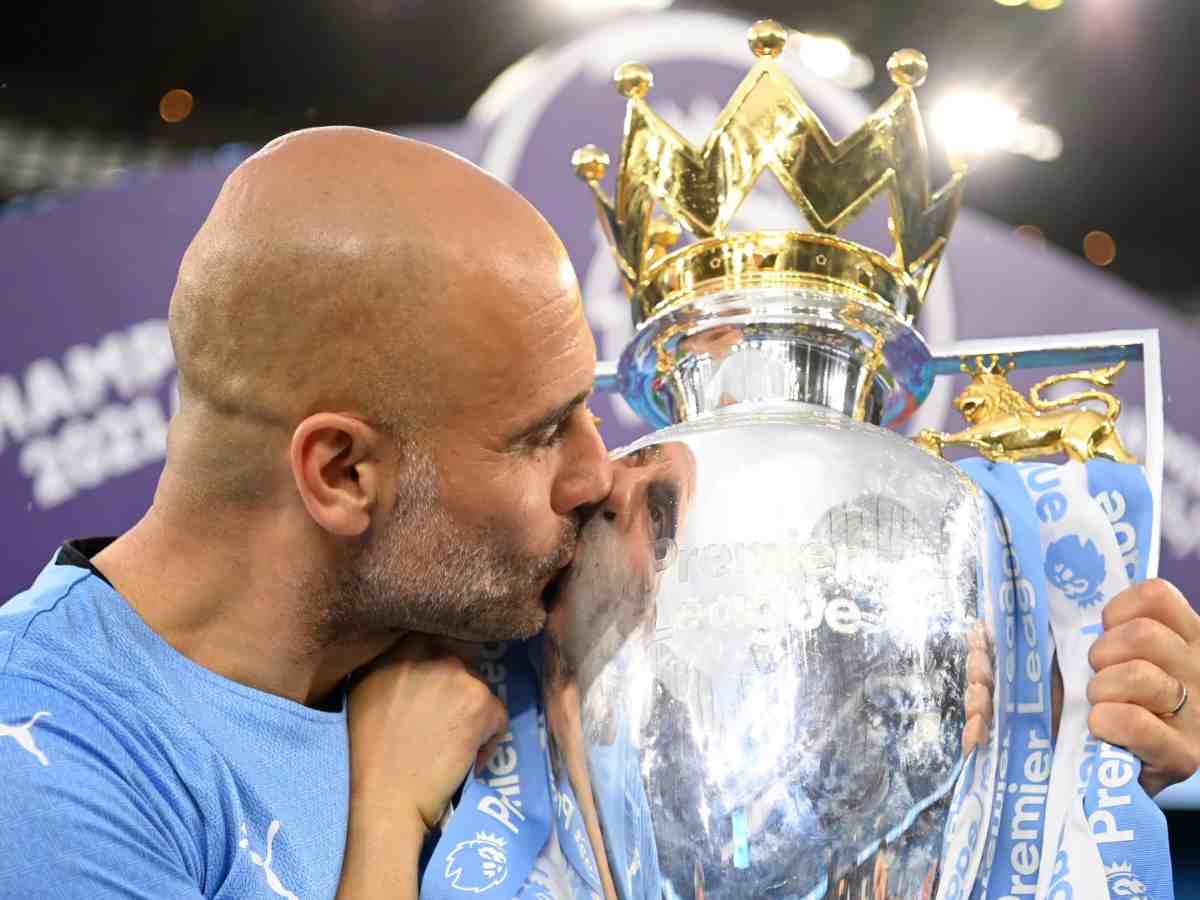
1128,828
1138,862
504,818
469,859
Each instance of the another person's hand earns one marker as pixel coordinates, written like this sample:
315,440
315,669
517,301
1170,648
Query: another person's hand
418,718
1147,664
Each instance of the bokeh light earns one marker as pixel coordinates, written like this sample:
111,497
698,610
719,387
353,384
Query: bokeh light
1099,248
176,105
828,56
1032,235
1040,5
972,124
595,6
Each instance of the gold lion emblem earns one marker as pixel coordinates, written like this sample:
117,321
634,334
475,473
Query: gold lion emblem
1004,426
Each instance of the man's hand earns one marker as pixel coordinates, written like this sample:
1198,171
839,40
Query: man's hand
418,718
1146,658
977,700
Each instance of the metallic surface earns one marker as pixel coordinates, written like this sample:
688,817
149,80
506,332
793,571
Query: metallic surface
767,125
815,342
756,669
1005,427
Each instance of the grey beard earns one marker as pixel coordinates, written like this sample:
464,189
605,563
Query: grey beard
423,572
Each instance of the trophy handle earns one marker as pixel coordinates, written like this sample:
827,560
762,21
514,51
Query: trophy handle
1101,348
1074,351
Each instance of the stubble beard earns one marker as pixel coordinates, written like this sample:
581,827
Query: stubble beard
424,572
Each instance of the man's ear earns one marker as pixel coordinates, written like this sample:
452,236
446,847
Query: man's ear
336,465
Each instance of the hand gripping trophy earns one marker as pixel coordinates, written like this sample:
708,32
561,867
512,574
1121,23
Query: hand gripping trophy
756,674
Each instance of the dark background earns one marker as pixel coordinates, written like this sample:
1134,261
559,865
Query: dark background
80,85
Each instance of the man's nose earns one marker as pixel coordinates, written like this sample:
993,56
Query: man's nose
587,476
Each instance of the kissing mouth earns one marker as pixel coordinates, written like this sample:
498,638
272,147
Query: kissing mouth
553,589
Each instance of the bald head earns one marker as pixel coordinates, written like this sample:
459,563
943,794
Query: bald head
351,270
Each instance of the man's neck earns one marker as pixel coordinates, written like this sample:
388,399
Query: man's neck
228,593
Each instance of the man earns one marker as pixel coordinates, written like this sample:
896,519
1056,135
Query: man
382,434
382,430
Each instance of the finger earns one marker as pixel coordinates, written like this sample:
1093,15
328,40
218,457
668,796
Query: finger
486,752
499,725
975,734
1136,681
979,669
978,701
489,720
1142,638
491,748
1154,599
1146,736
493,734
978,637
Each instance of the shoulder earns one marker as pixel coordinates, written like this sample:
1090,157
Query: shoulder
83,714
71,633
64,772
59,738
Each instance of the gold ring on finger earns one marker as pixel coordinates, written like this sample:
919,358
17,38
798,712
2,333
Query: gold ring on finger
1183,698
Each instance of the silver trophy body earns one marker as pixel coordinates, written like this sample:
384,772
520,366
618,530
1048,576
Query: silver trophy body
756,669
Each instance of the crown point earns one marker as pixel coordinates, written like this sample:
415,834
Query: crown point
633,80
590,162
908,68
767,38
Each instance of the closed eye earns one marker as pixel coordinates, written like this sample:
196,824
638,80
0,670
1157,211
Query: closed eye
551,428
551,437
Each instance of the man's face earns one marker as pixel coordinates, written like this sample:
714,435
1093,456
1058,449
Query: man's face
490,500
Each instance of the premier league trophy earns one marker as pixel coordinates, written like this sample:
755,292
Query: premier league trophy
757,670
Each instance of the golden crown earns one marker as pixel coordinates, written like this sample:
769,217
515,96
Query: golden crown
767,125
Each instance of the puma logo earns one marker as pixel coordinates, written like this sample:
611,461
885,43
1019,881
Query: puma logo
273,881
23,735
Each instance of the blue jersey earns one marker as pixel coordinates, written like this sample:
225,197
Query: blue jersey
127,770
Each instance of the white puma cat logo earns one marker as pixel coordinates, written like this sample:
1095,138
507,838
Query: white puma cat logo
23,735
273,881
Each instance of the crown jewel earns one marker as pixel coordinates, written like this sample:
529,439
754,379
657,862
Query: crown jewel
767,125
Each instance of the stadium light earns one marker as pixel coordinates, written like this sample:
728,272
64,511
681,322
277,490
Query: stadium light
972,124
582,7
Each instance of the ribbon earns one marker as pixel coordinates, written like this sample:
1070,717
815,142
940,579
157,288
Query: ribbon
492,841
1073,820
1030,817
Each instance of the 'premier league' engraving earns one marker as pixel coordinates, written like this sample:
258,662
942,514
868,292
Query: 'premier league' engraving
759,668
765,661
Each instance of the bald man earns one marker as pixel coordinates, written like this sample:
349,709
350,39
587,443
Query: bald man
382,443
382,432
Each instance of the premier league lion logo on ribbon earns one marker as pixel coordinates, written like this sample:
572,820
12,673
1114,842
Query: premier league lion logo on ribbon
1122,882
1076,568
477,865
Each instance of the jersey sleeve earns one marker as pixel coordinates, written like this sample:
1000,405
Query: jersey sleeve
73,824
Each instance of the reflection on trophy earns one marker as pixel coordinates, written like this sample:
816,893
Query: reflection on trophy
756,670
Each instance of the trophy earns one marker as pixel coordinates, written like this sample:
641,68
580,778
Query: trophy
756,671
